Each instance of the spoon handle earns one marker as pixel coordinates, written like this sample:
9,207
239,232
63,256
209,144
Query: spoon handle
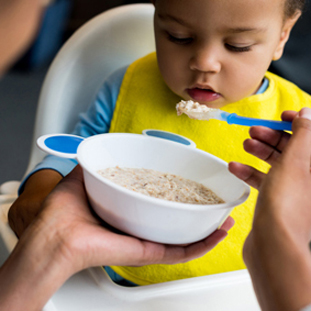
233,118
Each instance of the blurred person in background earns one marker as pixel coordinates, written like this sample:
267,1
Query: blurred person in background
19,22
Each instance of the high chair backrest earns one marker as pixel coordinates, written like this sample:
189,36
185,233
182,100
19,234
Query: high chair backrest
109,41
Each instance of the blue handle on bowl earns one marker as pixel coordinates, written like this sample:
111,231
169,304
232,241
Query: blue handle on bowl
62,145
66,145
170,136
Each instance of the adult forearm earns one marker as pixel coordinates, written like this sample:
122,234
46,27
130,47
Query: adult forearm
34,271
280,267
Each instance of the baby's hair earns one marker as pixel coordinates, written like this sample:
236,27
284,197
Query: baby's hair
292,6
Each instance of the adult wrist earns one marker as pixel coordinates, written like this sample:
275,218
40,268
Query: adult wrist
34,271
270,251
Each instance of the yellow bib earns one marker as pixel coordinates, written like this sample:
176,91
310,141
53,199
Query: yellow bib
146,102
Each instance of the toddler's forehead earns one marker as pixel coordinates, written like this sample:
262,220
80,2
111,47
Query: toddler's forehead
228,11
241,5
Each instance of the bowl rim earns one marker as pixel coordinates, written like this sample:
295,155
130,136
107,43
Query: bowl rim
159,201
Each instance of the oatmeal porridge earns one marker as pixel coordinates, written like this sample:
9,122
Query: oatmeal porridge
161,185
188,106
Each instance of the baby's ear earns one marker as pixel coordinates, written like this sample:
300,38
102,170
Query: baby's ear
287,27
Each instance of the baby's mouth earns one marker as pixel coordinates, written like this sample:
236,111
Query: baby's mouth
203,95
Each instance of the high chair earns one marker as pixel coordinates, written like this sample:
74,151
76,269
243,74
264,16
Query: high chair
112,39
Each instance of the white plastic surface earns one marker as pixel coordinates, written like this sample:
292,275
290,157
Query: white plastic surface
226,292
10,187
109,41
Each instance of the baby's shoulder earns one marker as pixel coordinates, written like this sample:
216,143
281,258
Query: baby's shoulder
287,89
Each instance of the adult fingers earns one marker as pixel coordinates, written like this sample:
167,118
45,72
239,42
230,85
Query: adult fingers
261,150
265,143
299,147
288,115
178,254
247,173
201,248
228,224
276,139
129,251
181,254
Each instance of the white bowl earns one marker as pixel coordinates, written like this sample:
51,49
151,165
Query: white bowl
152,218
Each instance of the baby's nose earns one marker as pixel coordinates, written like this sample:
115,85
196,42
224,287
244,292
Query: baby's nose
206,60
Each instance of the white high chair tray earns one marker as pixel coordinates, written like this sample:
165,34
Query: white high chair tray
92,289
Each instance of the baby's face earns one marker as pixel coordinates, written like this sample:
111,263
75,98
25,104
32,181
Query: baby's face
216,52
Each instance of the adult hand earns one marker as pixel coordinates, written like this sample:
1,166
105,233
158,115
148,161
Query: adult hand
90,244
266,144
276,251
66,237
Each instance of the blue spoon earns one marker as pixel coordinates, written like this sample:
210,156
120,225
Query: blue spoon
202,112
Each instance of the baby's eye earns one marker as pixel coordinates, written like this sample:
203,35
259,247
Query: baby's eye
234,48
179,40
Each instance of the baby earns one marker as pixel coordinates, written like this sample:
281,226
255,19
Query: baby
215,52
